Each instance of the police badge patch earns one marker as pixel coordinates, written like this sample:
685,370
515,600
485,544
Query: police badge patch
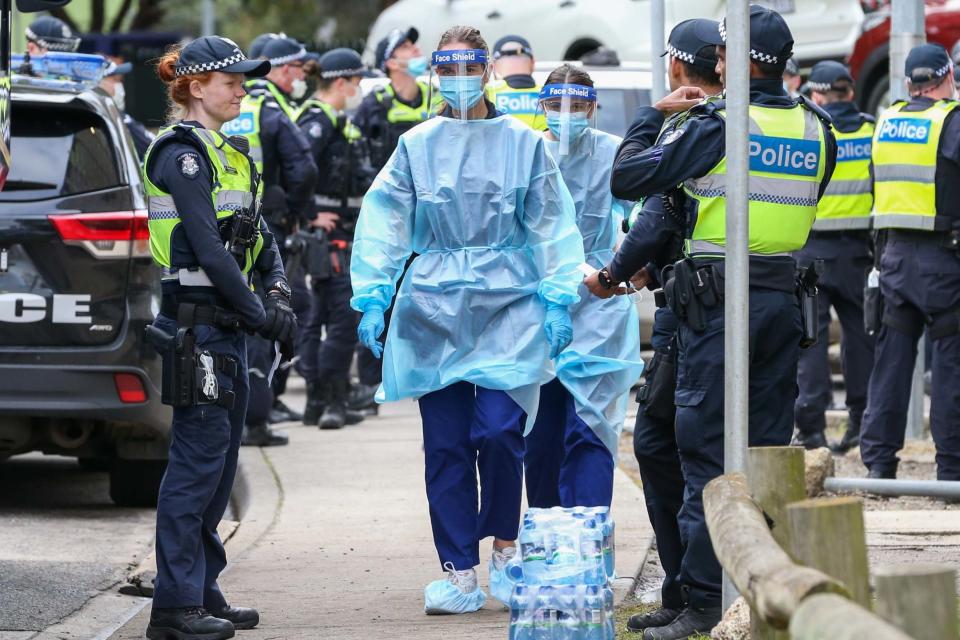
316,131
189,165
673,136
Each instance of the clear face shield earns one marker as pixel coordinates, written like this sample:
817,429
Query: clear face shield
569,109
459,77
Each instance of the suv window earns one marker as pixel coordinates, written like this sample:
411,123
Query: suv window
58,151
618,108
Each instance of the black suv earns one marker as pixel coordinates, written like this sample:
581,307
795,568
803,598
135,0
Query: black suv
77,287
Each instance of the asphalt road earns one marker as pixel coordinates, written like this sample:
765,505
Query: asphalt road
61,541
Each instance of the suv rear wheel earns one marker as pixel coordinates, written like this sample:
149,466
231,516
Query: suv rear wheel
136,483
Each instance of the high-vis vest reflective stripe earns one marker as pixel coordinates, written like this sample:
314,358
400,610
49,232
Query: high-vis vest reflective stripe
247,124
350,131
848,199
288,108
400,113
905,147
231,192
522,104
787,164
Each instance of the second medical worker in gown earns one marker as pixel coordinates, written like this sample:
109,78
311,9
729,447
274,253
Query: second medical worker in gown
571,450
482,308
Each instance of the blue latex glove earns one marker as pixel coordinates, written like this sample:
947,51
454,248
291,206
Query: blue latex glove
370,328
559,328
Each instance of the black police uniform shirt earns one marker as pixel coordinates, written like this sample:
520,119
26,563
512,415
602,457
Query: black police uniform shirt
330,151
286,154
948,161
183,170
643,168
371,119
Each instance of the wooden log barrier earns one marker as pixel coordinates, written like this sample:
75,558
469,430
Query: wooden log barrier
832,617
920,599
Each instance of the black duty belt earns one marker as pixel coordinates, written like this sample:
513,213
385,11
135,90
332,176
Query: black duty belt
199,314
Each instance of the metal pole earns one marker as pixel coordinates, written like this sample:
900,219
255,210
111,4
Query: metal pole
906,32
208,27
736,310
928,488
658,88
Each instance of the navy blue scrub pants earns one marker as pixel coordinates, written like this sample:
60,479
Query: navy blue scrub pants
774,345
467,428
918,278
655,445
330,356
847,260
567,465
194,492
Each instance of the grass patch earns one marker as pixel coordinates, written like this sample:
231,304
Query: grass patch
632,607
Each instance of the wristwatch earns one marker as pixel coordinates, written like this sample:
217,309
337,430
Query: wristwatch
606,281
283,288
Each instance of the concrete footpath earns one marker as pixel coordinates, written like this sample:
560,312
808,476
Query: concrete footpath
336,541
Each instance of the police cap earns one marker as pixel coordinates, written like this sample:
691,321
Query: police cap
342,63
394,39
258,43
926,63
216,53
53,34
512,46
829,75
770,39
283,50
694,42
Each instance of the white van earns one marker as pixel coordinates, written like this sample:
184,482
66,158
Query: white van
567,29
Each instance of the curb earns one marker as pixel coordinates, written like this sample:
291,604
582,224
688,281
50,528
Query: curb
634,535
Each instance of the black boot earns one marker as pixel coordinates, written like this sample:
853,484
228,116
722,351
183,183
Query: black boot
659,617
280,412
336,414
315,406
190,623
361,399
241,617
809,441
878,473
850,439
260,435
690,622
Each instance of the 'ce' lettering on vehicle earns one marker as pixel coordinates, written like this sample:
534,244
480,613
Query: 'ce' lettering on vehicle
30,307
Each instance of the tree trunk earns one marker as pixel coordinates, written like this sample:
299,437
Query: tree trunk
117,23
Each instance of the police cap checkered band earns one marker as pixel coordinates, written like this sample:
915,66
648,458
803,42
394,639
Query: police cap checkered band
681,55
926,63
770,39
52,43
343,73
287,59
213,65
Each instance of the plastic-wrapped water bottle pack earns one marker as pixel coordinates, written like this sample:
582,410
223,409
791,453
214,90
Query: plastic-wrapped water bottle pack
562,575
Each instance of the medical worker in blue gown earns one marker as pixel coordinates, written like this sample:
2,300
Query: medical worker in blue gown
573,446
482,310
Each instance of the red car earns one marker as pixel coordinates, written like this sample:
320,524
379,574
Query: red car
870,60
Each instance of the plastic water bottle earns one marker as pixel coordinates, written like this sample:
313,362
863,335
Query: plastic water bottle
563,554
533,554
594,615
609,624
521,614
544,616
591,554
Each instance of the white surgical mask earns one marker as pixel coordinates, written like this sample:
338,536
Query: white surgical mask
353,102
299,89
120,96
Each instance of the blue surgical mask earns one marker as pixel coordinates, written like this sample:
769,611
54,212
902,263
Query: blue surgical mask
417,66
578,123
461,91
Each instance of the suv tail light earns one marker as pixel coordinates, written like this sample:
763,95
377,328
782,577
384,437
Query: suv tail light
106,235
129,388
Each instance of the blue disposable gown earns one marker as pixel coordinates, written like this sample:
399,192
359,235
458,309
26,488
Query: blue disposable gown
483,205
603,361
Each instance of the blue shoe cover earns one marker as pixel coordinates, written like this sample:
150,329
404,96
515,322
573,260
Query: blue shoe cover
445,597
501,586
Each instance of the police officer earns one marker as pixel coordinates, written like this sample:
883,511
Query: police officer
345,175
785,188
391,110
916,151
656,239
112,83
515,92
202,191
840,239
792,78
48,33
282,153
385,114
